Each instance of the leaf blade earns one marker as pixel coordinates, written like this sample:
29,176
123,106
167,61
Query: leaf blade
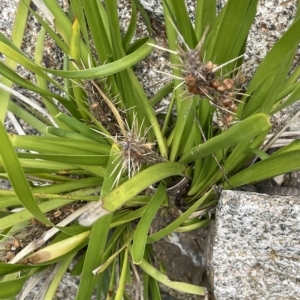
140,236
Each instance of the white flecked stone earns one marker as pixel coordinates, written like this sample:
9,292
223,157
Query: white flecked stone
254,251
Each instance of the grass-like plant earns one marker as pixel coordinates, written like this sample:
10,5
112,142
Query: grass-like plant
103,155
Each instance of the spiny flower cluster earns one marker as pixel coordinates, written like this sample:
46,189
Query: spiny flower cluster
136,151
201,79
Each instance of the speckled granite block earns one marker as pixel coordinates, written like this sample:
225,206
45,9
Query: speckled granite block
255,248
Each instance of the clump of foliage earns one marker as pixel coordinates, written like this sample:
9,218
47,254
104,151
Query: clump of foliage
103,153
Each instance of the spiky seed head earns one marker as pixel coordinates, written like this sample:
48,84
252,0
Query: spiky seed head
208,66
201,78
136,151
233,108
228,119
191,83
214,84
227,102
221,88
228,83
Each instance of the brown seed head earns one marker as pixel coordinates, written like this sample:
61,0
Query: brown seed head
227,102
202,91
17,243
228,83
233,108
221,88
228,119
209,66
214,84
191,83
190,80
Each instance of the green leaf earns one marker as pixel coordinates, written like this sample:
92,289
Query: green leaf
95,253
16,38
153,286
183,23
162,278
267,168
113,170
268,68
265,96
122,281
94,257
81,127
25,62
110,68
14,77
229,32
79,13
205,16
261,154
183,122
91,160
28,118
25,215
245,130
12,288
66,134
58,250
139,182
175,224
113,257
97,20
294,146
292,98
62,269
56,37
131,27
56,145
17,178
240,154
173,45
13,268
143,110
75,54
140,236
144,15
127,217
64,27
194,226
